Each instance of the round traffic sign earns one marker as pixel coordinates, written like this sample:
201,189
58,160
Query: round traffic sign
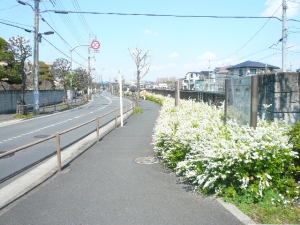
95,44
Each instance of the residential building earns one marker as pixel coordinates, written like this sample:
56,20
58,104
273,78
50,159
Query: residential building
249,68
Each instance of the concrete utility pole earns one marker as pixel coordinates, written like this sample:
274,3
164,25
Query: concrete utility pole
37,39
121,94
89,64
284,7
36,58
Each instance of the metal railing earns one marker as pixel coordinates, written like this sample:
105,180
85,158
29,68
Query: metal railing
128,108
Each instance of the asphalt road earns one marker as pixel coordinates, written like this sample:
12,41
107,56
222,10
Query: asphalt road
28,131
114,182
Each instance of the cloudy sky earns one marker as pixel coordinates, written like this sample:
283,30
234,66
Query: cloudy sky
177,45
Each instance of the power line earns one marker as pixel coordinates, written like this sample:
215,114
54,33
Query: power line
27,30
68,23
267,56
62,52
166,15
17,23
62,38
253,35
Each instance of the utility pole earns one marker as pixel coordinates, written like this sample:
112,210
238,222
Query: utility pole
36,58
284,7
89,64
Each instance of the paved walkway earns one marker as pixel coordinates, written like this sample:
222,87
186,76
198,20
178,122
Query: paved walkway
107,185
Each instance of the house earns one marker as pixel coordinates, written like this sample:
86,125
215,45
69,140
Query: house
192,78
249,68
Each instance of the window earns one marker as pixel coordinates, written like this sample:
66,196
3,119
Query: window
240,72
252,71
191,75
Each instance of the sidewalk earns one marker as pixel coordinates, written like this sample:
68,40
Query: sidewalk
112,183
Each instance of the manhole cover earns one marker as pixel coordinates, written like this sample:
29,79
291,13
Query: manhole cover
10,155
146,160
42,136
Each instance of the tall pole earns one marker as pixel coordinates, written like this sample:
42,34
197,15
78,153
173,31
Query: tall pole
89,64
36,58
121,100
71,79
284,7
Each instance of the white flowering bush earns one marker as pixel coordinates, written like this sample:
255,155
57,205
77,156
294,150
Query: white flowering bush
226,159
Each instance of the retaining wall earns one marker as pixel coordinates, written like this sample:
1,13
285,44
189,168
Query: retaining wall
10,99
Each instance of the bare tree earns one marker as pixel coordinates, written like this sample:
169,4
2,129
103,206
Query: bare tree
21,51
142,60
61,68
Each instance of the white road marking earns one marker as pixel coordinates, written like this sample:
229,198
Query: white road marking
52,125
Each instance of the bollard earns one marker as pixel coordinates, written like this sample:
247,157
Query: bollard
58,151
116,118
98,135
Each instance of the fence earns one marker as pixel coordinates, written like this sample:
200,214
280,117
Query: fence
116,113
206,96
245,101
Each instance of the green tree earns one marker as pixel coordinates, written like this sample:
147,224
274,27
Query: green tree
8,69
46,77
61,70
21,51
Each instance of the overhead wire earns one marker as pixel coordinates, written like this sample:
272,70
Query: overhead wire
69,24
62,38
25,29
167,15
63,52
253,35
17,23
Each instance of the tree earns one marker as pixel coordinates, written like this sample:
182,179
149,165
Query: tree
21,52
8,71
142,60
61,68
46,77
81,79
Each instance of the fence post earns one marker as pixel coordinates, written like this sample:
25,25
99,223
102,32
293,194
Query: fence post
126,113
226,100
254,101
116,118
98,135
58,151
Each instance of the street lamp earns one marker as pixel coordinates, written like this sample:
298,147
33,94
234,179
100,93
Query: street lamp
37,39
71,93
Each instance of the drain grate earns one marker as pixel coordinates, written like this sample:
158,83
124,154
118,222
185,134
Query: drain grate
10,155
42,136
146,160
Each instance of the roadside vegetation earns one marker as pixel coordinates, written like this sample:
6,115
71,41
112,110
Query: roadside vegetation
258,170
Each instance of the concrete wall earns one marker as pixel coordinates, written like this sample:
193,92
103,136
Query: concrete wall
282,92
10,99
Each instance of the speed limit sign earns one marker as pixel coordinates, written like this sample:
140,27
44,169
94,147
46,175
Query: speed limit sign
95,45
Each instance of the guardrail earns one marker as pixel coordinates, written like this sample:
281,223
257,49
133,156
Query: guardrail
44,107
128,109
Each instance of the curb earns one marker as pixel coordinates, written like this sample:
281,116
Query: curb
35,177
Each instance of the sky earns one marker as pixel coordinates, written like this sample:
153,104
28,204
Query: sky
177,45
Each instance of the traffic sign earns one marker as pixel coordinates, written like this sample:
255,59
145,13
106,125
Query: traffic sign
95,45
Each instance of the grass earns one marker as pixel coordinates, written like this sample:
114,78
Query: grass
138,110
269,214
25,116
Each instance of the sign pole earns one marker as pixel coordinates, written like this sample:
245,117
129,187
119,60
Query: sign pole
121,100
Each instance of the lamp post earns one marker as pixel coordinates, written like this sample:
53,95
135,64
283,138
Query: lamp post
37,39
71,93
